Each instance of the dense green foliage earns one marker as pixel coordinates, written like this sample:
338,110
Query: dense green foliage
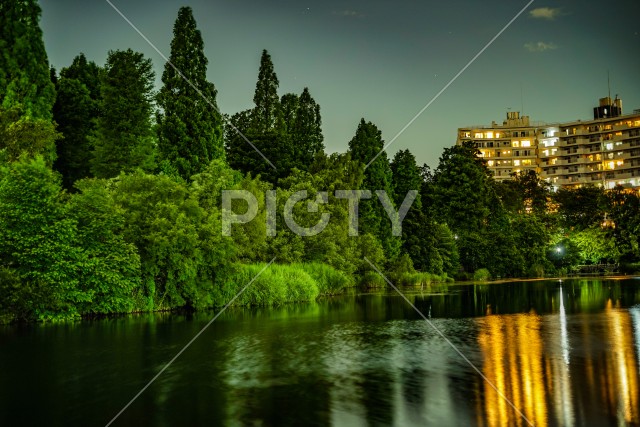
123,140
24,69
106,208
76,110
189,123
286,131
364,147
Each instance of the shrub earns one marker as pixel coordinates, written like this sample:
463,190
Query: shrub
536,270
481,275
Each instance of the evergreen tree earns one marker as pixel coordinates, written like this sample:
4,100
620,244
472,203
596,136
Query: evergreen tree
462,189
265,127
123,139
465,199
76,110
24,69
86,72
266,115
363,147
190,132
73,114
406,177
289,106
306,133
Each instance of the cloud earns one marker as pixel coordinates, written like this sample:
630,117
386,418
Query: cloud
346,12
540,46
549,13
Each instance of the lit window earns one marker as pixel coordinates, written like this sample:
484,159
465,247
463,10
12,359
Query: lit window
553,151
553,161
609,146
545,153
489,134
497,134
526,162
515,143
490,163
478,135
526,144
516,163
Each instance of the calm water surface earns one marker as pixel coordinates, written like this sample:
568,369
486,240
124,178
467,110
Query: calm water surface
564,354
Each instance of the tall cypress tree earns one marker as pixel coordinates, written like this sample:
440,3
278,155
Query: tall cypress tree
124,137
265,126
24,69
190,133
307,131
289,105
266,115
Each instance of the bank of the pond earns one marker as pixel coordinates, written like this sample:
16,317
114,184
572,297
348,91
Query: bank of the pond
543,279
237,284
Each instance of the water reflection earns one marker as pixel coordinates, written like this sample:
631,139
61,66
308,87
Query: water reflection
563,355
530,360
512,349
620,385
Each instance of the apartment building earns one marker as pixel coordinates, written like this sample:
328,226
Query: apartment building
604,151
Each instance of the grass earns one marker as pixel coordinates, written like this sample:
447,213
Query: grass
371,279
414,279
329,280
277,284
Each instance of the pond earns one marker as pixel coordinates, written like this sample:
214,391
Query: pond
543,352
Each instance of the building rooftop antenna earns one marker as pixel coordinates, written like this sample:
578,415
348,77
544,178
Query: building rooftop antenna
521,100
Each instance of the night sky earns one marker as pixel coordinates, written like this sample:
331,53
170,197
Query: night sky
385,60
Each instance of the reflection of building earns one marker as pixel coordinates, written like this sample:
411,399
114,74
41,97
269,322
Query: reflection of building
527,358
603,151
513,363
621,368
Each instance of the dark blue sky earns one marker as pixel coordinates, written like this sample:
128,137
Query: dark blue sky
385,60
